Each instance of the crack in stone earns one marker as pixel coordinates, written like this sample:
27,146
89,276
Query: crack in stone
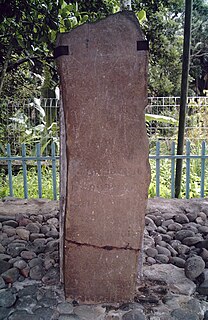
109,248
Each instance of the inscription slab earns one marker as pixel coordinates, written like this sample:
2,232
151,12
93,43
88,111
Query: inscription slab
104,93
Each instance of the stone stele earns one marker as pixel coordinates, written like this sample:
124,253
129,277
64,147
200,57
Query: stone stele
103,75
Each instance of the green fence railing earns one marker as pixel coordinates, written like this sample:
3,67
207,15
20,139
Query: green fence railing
195,171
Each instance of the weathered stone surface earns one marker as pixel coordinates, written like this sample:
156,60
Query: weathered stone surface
99,276
107,169
172,275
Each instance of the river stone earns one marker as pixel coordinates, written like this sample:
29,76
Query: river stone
20,264
7,298
161,258
23,233
203,288
162,250
151,252
172,275
11,223
134,315
10,275
33,227
4,266
4,313
37,272
194,266
181,234
178,262
65,307
190,241
2,283
28,255
181,314
181,218
46,314
22,315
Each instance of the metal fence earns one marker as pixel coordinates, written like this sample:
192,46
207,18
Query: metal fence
161,165
29,146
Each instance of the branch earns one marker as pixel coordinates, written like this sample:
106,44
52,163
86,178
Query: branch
21,61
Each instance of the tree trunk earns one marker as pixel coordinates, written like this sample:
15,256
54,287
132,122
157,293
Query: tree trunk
184,90
4,68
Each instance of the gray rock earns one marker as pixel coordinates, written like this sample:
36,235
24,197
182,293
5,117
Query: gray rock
53,221
7,298
162,250
20,264
65,308
10,275
46,314
4,266
44,229
190,241
4,313
172,275
161,258
181,234
151,252
2,249
175,226
134,315
192,215
4,256
206,315
34,236
30,290
194,266
22,314
48,302
53,233
86,312
203,288
69,317
181,314
33,227
52,245
15,250
150,260
181,218
167,222
28,255
183,249
178,262
2,283
11,223
9,231
203,229
26,303
167,238
37,272
202,244
23,233
36,261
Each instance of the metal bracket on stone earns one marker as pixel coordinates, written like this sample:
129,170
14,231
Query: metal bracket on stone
61,51
142,45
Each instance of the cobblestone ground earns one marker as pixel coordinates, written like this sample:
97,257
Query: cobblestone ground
175,271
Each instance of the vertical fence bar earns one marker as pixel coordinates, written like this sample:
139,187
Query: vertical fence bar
53,154
24,168
158,169
9,170
187,169
203,152
173,170
38,154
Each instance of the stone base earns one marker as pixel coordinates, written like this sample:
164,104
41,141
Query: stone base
97,275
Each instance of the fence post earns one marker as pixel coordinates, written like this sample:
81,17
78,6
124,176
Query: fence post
187,169
173,170
158,169
10,170
203,153
24,168
53,154
38,154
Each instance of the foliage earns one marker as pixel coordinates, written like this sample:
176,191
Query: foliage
32,179
165,170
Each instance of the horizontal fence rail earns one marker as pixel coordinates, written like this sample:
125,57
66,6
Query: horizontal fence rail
159,161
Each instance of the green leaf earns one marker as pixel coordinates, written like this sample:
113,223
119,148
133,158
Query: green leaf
159,118
141,15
